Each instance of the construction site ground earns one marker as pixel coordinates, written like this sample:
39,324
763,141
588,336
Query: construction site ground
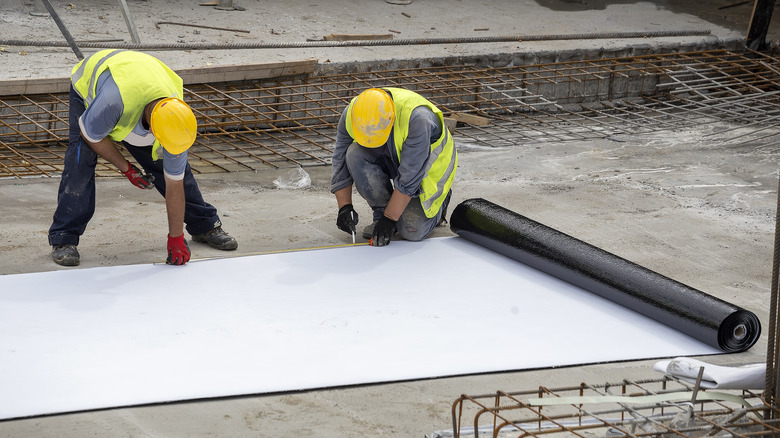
683,206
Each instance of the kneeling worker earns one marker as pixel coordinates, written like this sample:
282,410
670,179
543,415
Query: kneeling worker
132,98
392,144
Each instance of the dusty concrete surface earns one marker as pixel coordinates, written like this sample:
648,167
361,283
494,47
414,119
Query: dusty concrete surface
295,21
697,212
701,215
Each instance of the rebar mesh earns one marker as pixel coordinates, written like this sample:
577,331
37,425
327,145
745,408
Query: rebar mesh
691,414
292,121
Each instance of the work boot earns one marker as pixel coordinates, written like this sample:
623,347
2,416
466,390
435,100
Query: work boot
65,255
368,232
217,238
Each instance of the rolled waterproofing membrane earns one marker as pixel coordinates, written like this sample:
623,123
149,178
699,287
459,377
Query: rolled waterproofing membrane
699,315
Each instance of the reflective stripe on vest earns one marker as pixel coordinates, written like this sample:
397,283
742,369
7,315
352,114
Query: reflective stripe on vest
433,202
78,73
443,161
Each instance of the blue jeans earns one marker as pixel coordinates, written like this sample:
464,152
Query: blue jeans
76,196
373,173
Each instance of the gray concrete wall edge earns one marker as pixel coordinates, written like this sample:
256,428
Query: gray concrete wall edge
509,59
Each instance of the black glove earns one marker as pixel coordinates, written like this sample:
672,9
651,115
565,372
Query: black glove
383,231
347,219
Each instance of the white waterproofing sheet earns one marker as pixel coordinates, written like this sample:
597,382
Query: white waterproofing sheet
750,376
84,339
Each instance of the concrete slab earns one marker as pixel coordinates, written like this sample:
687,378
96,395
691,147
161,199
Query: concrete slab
697,212
296,21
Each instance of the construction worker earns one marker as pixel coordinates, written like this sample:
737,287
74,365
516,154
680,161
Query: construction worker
392,144
134,99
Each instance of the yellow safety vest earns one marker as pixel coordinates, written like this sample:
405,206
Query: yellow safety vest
140,78
440,168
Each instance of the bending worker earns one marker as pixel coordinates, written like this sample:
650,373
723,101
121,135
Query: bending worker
136,100
392,144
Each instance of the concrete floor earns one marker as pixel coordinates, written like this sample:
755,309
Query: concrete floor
695,211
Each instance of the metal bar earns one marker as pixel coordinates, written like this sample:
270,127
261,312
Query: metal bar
759,24
372,43
772,388
63,29
130,23
201,26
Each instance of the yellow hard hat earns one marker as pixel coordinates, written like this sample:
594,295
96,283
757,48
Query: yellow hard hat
373,113
174,125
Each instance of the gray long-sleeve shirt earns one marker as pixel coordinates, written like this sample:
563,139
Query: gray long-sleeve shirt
424,130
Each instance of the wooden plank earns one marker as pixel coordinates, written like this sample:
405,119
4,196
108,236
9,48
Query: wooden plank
193,75
245,72
9,87
450,124
357,37
471,119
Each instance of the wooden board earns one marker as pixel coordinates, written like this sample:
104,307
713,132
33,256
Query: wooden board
192,75
470,119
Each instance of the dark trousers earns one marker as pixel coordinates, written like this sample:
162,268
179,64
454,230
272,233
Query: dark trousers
76,196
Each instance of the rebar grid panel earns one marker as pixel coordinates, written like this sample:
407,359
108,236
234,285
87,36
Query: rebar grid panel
292,121
519,414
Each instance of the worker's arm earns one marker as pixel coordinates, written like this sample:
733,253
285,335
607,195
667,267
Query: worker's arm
344,196
385,227
96,124
347,218
178,250
174,202
341,179
100,118
424,129
396,205
106,149
411,171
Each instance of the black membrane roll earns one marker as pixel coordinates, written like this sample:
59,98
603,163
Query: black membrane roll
688,310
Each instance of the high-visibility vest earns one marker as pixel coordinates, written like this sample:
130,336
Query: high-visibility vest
443,162
140,78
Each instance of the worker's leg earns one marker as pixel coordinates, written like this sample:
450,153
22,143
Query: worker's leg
372,176
199,216
76,196
414,225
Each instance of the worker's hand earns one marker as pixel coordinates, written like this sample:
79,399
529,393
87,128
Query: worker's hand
178,251
347,219
383,231
140,180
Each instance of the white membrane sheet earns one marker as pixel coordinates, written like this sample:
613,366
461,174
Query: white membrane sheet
85,339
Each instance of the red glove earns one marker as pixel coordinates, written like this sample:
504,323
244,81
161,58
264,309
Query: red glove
178,251
140,180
